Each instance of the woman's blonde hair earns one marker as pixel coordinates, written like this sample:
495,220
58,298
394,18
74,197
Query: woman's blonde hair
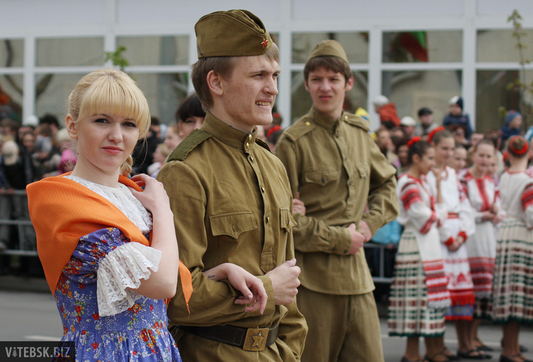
113,91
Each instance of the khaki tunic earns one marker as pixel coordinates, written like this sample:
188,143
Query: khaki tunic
232,203
337,169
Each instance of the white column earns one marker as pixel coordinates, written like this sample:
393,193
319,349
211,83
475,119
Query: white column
374,73
469,60
285,45
28,98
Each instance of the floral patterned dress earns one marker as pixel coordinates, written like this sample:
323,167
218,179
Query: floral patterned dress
99,311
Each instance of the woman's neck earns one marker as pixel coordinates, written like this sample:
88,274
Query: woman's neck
96,175
476,172
518,165
414,172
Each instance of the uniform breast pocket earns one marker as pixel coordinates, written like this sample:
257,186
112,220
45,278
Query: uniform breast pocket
232,224
286,220
363,170
322,177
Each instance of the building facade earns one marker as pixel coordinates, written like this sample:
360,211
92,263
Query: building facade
418,53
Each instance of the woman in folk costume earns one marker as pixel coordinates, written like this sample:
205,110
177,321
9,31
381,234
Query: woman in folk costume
512,286
108,247
454,232
481,248
419,297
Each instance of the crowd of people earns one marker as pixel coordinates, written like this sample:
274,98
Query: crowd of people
458,250
228,216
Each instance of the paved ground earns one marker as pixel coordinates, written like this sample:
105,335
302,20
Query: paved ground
28,312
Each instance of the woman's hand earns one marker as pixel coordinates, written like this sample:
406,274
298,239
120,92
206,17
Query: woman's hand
456,244
487,216
154,197
253,292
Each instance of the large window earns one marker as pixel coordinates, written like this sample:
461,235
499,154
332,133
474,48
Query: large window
164,92
422,46
355,45
155,50
68,52
11,92
501,46
51,93
495,95
11,84
414,89
11,53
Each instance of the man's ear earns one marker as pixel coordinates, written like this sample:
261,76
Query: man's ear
215,83
306,86
70,125
349,84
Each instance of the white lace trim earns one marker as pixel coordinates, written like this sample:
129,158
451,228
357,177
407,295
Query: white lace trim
123,199
120,271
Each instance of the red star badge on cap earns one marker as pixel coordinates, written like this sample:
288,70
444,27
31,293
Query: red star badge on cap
265,43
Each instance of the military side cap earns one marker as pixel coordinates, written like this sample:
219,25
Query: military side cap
232,33
328,48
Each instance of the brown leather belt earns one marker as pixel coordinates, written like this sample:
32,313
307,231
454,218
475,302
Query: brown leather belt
249,339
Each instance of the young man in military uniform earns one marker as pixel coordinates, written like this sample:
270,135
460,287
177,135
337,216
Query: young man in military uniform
337,169
232,203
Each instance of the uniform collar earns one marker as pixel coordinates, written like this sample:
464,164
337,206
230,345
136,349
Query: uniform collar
229,135
326,122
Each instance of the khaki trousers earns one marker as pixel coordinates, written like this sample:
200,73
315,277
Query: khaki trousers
342,328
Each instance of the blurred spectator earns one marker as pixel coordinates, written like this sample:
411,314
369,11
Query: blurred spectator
160,155
277,120
388,115
28,125
145,148
172,138
385,144
51,121
17,171
475,137
273,138
397,134
65,159
458,160
459,133
5,109
9,129
408,125
388,235
457,117
28,141
497,142
425,116
361,112
402,152
190,116
512,126
46,154
493,168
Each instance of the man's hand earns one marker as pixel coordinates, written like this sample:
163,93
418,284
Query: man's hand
358,239
285,282
365,230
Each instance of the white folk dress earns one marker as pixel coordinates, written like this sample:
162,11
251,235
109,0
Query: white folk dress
460,221
512,290
481,247
418,297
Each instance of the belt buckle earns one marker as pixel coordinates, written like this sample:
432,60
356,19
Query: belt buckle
256,339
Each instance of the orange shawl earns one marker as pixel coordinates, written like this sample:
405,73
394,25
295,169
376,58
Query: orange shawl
62,211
